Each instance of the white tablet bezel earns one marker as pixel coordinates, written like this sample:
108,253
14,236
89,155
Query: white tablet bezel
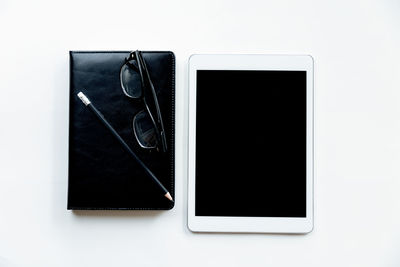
250,224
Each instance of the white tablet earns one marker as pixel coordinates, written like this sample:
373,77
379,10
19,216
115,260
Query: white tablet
250,143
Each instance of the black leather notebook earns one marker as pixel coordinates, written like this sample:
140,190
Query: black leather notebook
102,175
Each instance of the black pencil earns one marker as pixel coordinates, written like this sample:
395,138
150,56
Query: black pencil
100,116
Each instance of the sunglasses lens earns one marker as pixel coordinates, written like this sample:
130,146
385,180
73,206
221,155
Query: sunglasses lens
144,130
130,79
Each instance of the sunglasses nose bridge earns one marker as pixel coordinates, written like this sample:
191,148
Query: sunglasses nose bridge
131,55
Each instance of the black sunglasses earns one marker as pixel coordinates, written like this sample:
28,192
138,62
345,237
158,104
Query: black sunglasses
136,83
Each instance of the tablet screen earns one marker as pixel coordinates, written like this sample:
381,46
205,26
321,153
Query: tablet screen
251,143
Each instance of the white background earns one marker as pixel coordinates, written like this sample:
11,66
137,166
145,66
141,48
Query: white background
356,46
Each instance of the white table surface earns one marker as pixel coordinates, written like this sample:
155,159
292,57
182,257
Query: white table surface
357,79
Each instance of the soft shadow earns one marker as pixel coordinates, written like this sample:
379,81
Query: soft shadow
118,213
183,108
59,137
267,234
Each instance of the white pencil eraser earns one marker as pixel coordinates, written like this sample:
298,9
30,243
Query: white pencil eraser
84,99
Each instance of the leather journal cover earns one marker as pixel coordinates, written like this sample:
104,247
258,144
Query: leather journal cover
101,174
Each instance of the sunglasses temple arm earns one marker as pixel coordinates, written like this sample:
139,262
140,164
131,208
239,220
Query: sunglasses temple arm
154,95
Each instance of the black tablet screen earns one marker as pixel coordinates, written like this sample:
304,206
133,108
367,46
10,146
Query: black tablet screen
251,143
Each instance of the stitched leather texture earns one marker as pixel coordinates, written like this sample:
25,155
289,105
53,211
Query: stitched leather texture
102,175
